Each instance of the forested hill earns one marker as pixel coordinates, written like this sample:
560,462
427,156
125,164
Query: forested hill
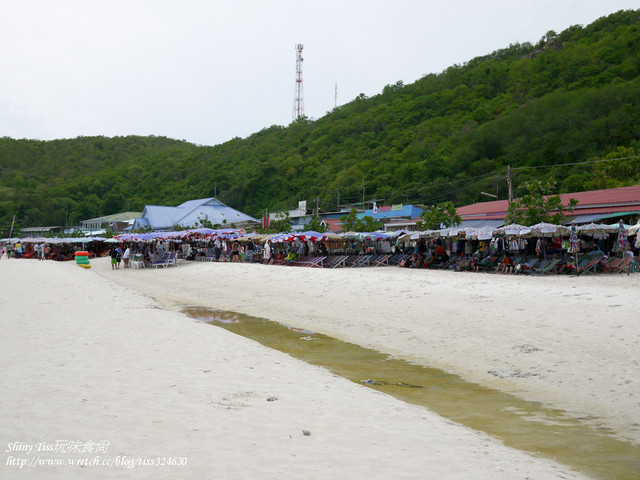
571,98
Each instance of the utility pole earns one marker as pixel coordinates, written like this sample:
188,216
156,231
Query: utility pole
509,184
362,191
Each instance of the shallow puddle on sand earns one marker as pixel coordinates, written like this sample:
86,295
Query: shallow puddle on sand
527,426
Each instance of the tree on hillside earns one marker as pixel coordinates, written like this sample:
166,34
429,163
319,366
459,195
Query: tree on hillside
438,216
351,223
622,171
281,224
316,224
537,205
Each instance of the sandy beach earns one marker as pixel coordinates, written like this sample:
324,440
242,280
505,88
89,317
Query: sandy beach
105,362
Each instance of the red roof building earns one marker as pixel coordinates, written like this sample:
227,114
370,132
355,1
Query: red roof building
333,224
592,206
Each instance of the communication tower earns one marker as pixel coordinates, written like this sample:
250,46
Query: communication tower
298,100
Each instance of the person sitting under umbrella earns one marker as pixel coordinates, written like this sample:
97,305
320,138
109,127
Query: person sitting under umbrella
506,266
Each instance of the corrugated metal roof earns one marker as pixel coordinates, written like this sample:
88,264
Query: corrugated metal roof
116,217
190,213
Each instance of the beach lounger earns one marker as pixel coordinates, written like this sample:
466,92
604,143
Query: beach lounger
341,262
380,260
310,262
361,261
623,266
591,266
529,264
488,263
398,258
167,260
333,261
543,263
548,268
351,259
615,263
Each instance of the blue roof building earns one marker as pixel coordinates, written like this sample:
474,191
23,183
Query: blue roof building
190,214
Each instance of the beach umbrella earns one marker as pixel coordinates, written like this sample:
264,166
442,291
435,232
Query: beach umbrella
596,230
513,230
452,232
377,236
332,236
353,236
399,233
544,229
484,233
309,236
634,229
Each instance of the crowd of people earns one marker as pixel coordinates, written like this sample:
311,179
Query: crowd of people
518,255
500,254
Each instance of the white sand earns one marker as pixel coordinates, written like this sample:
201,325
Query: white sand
87,355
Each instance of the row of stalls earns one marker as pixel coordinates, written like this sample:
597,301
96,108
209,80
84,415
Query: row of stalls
192,243
541,239
55,248
200,242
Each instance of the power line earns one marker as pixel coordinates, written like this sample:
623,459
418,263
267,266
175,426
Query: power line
475,180
577,163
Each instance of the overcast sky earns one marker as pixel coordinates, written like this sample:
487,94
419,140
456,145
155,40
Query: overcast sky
206,70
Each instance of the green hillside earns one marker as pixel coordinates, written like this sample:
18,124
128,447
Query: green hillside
571,98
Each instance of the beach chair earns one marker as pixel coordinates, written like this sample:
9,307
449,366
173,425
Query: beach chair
539,264
310,262
623,266
547,268
529,264
361,261
301,260
398,258
333,260
351,259
591,266
488,263
340,262
168,259
393,259
615,263
380,260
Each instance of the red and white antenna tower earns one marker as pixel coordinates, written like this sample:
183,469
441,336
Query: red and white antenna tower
298,100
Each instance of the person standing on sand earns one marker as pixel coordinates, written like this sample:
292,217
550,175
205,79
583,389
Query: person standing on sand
250,250
118,257
114,258
217,248
126,256
266,257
